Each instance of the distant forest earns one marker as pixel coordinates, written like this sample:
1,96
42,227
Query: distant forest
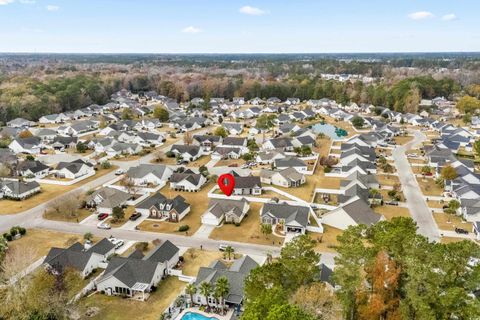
35,85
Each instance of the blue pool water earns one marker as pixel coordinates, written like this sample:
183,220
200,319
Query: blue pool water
196,316
326,129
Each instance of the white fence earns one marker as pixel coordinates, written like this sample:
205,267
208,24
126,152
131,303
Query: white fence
66,183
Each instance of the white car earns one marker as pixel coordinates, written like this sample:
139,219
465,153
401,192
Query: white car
223,247
104,225
119,172
117,242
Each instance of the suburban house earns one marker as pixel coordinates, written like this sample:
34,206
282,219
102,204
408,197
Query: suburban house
187,181
157,206
77,257
284,143
17,190
149,174
32,168
290,218
232,211
207,142
122,148
222,152
30,145
352,213
74,169
249,185
186,153
235,275
234,142
233,128
268,157
53,118
290,162
135,276
286,178
105,199
20,123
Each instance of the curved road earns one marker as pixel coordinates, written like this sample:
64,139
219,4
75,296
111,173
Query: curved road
414,197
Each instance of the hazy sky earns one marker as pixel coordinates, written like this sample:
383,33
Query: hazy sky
227,26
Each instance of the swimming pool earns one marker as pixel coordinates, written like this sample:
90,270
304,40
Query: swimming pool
328,130
196,316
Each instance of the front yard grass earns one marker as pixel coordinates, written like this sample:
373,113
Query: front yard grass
128,212
449,222
54,215
248,231
436,204
326,241
198,202
196,258
49,192
203,160
401,140
390,212
39,242
387,180
233,163
112,308
429,187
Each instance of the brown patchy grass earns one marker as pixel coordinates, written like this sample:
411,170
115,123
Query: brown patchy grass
387,180
401,140
81,214
448,222
112,308
203,160
390,212
49,192
40,241
248,231
447,240
199,204
436,204
326,241
429,187
196,258
230,162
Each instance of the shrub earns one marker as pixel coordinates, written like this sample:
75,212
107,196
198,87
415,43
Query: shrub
106,165
183,228
8,236
142,246
237,224
170,154
22,230
327,169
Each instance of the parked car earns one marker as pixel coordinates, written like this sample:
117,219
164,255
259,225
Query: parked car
223,247
102,216
461,231
117,242
135,216
103,225
119,172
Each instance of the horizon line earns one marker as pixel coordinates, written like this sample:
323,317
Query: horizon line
238,53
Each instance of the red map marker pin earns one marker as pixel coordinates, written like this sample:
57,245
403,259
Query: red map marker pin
226,182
